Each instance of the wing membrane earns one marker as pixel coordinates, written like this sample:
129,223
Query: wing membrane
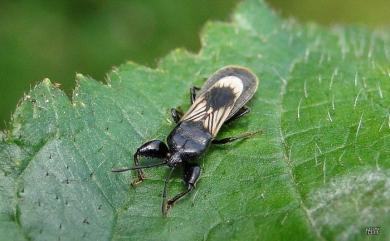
213,107
223,94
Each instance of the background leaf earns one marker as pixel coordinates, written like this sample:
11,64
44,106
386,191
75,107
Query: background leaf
319,171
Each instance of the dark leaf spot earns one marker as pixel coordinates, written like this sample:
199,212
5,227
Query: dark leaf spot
85,221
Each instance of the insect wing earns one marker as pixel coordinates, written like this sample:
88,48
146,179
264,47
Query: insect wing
223,94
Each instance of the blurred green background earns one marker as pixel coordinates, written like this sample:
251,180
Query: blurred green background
56,39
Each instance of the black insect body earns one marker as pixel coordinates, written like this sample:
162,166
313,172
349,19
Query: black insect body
221,100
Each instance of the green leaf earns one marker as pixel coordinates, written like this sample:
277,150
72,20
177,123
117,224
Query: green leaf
320,170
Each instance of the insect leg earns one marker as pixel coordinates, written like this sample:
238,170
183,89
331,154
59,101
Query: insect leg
193,91
241,112
153,149
191,175
164,206
176,115
235,138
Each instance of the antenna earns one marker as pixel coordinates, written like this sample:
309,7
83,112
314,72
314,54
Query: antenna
138,167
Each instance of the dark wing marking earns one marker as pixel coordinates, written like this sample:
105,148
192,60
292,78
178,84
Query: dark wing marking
249,81
223,94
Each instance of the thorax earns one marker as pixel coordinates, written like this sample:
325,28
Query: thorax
189,138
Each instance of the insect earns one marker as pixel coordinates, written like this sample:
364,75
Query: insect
221,99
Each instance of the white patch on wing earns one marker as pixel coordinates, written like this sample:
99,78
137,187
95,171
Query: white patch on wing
231,81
